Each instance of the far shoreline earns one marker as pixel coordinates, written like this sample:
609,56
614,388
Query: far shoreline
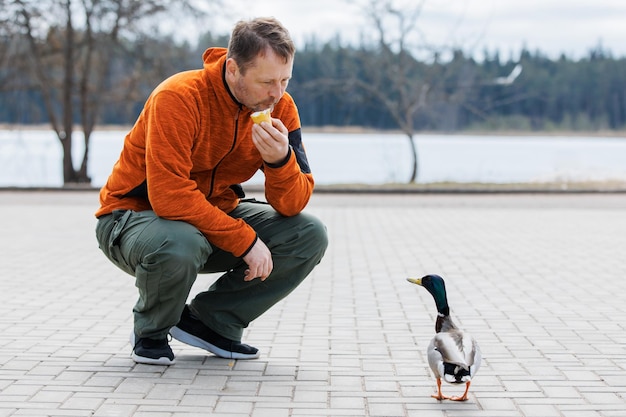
365,130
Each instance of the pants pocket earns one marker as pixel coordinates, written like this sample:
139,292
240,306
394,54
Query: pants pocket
109,232
120,218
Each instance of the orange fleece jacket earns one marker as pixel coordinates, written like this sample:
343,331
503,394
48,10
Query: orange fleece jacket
190,144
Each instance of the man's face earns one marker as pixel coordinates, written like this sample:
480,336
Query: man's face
263,83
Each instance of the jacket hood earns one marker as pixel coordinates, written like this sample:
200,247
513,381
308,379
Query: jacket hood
212,56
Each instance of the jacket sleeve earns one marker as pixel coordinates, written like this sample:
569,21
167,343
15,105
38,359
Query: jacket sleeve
171,126
289,185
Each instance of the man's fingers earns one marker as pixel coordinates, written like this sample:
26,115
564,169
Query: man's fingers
259,261
261,273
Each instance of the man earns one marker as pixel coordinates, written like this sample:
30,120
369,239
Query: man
173,207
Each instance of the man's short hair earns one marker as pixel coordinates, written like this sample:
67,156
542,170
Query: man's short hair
252,38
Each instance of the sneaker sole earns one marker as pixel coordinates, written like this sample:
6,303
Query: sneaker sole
189,339
163,360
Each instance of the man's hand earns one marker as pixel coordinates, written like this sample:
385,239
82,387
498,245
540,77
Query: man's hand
259,260
271,141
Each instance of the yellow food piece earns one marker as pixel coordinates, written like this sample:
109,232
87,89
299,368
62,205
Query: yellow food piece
261,116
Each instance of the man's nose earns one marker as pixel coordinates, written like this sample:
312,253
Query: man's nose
276,90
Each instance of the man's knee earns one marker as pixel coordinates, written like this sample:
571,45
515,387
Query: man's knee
312,236
182,245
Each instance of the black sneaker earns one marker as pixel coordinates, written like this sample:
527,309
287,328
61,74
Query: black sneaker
151,351
193,332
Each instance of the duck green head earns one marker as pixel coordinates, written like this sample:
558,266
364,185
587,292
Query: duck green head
437,288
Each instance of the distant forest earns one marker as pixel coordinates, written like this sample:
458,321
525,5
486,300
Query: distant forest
587,94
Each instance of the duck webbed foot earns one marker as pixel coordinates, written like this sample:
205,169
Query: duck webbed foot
439,396
464,396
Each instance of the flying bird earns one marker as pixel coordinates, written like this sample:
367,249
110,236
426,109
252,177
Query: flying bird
509,79
453,355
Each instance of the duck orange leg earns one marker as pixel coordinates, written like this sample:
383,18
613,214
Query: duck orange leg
439,396
464,396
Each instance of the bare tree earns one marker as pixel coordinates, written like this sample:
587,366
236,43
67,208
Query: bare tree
403,72
391,75
68,50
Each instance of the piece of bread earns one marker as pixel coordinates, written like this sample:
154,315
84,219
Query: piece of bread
262,116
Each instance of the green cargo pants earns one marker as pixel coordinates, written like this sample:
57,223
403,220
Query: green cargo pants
165,257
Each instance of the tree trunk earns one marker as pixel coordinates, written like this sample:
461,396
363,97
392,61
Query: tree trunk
83,177
68,167
414,171
69,174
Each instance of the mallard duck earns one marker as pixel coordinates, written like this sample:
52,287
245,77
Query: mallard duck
453,355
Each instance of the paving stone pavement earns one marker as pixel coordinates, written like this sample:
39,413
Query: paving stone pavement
538,279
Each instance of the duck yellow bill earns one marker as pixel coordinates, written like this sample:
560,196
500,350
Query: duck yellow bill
417,281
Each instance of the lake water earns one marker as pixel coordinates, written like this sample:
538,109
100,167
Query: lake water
32,158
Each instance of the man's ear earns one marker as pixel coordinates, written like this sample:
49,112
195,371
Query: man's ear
232,69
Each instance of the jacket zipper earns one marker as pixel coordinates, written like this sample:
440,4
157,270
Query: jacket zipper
227,153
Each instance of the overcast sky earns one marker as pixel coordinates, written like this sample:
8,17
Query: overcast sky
572,27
